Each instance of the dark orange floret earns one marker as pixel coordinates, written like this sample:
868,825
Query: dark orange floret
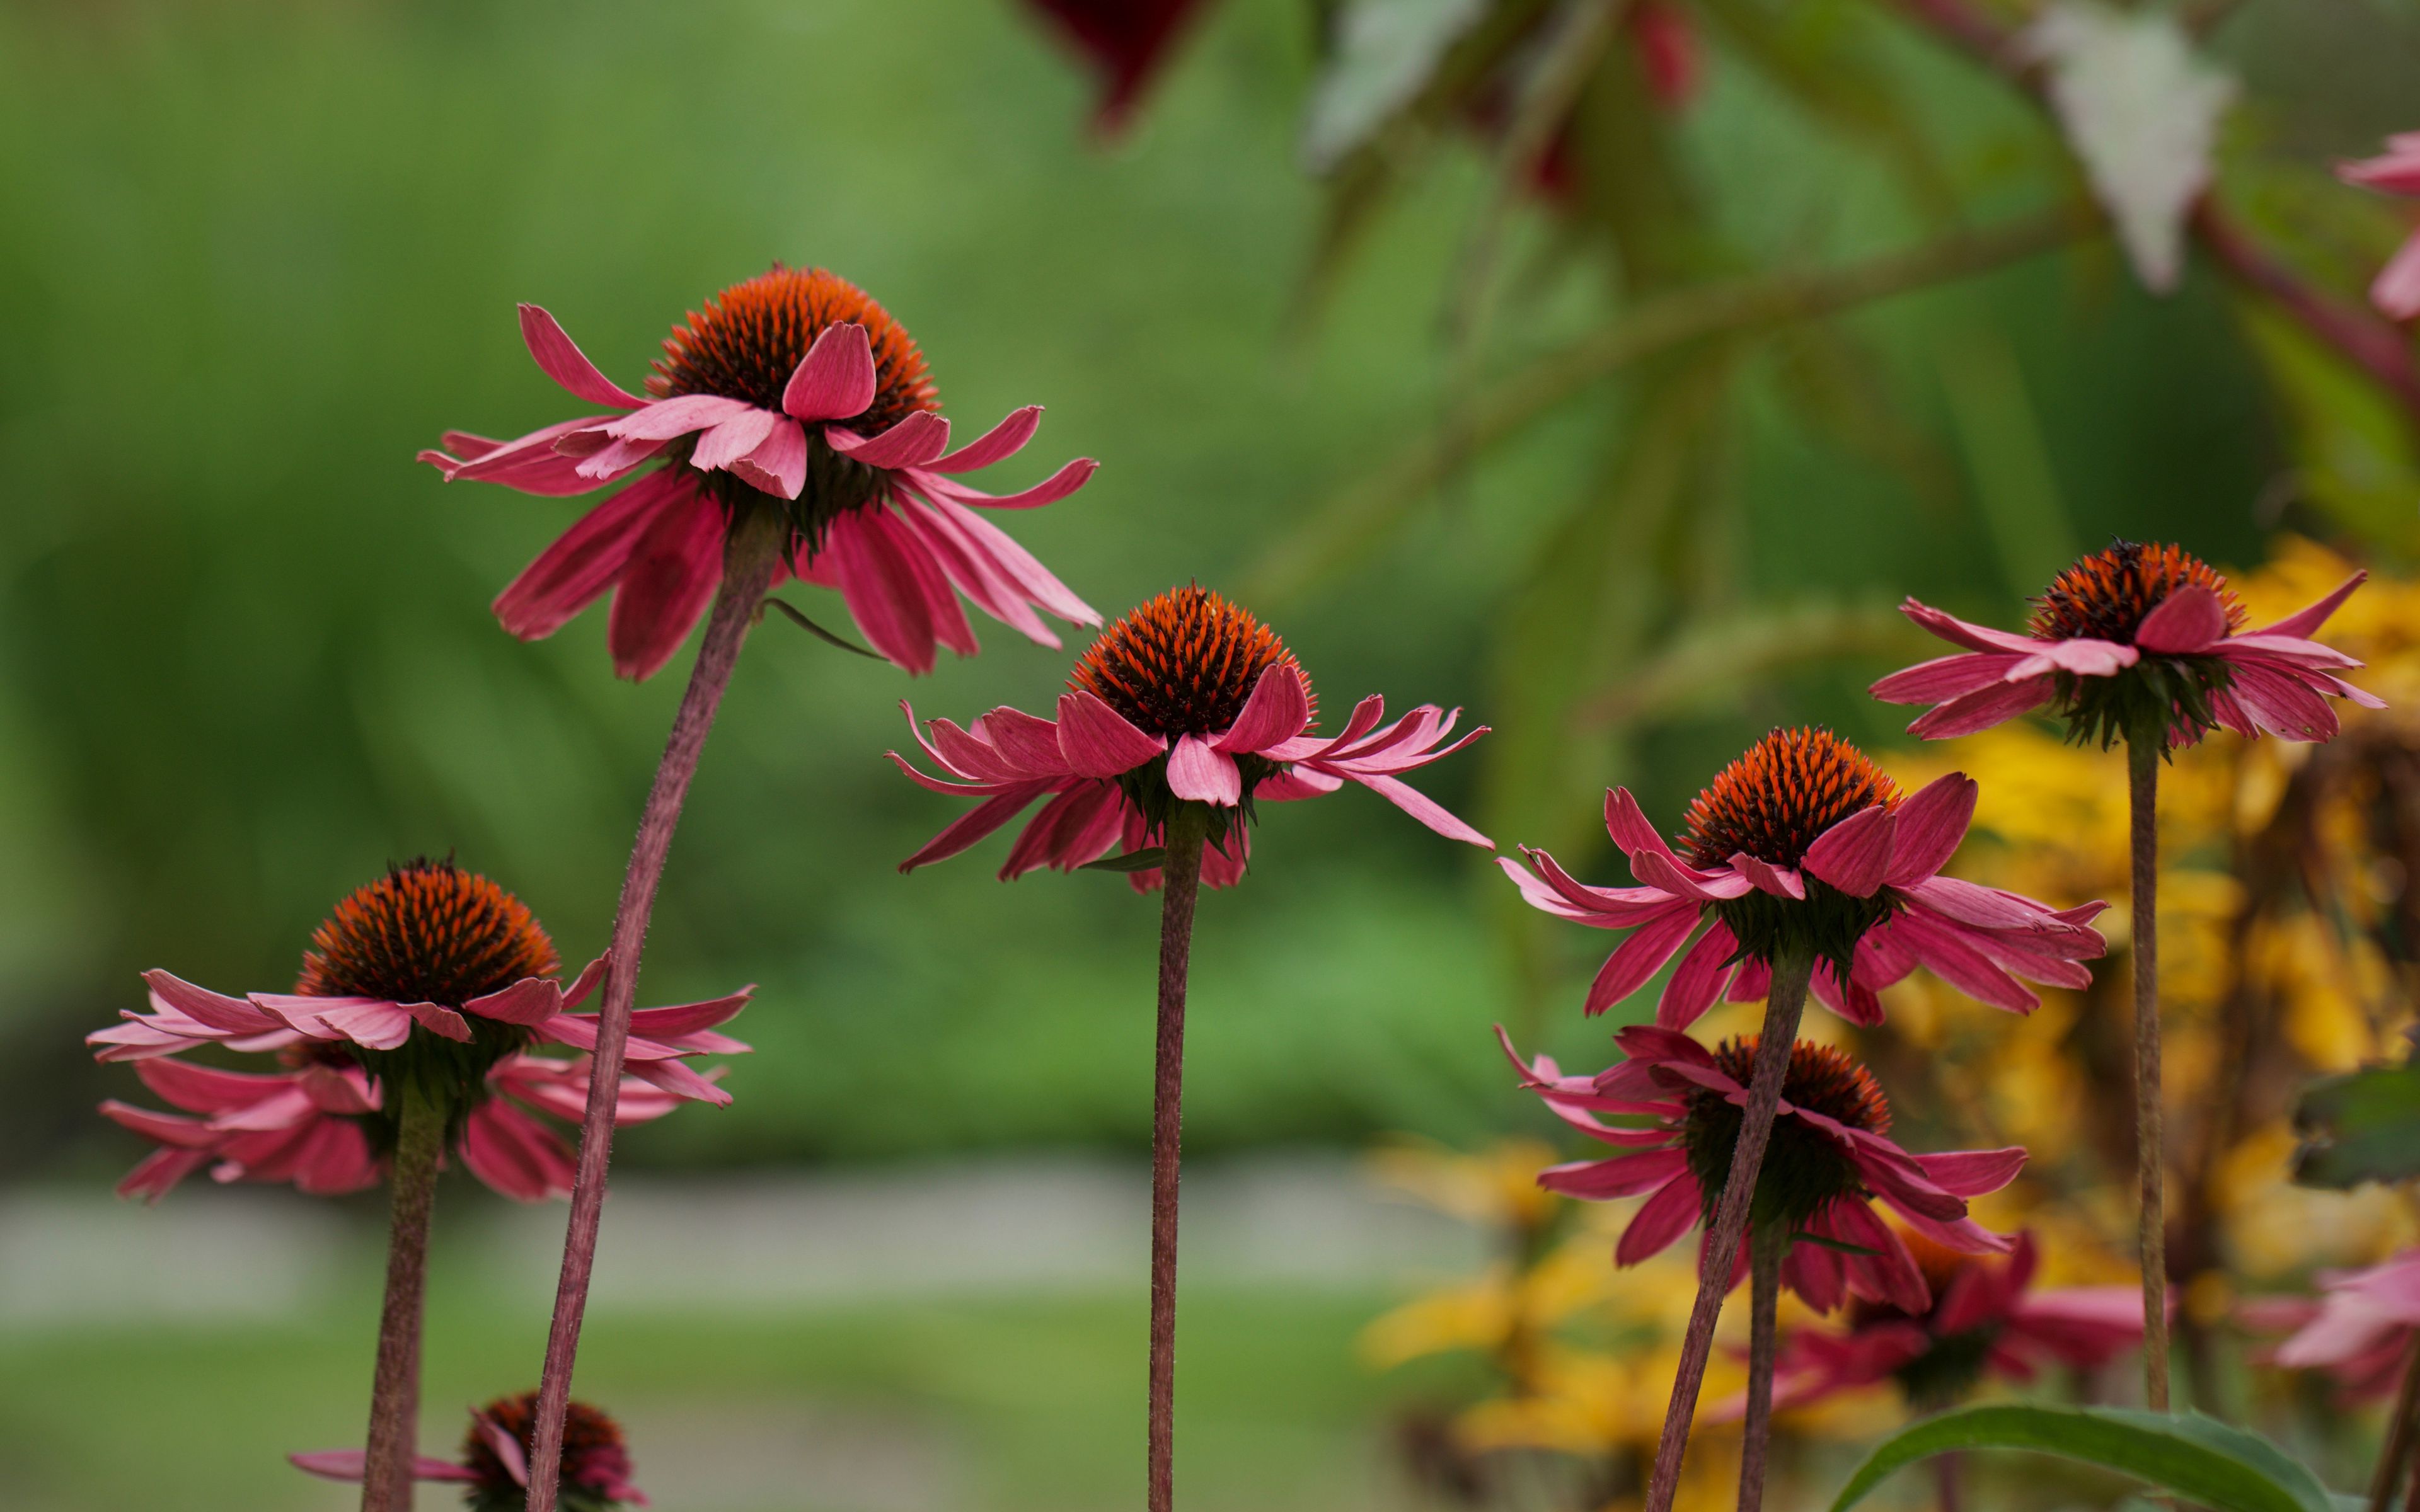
751,337
1789,788
594,1453
2106,595
428,932
1181,664
1829,1081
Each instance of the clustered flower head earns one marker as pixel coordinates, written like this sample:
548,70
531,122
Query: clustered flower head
1985,1317
431,974
1831,1159
2130,640
1187,700
792,391
1803,843
493,1470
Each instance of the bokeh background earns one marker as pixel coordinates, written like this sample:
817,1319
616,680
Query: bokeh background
257,254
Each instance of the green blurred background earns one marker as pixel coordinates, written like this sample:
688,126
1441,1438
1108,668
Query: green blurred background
257,254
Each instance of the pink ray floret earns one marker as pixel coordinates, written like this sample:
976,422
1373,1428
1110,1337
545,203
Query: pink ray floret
1845,1249
2395,291
1010,760
2359,1329
900,559
495,1460
299,1124
1987,942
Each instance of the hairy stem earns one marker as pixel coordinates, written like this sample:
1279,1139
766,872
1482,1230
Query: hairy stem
394,1440
1180,875
2400,1430
2151,1153
1948,1472
1767,1244
749,556
1784,1001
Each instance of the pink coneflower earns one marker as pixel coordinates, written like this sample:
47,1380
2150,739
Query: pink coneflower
1830,1161
2360,1329
407,1034
493,1470
1186,699
2135,638
1805,841
2143,644
2395,291
1985,1319
792,397
1180,717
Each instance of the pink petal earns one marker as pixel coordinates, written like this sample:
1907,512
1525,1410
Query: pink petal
1945,947
997,444
1931,824
206,1089
666,419
2283,706
1096,739
1971,1173
1947,677
670,578
1424,808
1854,855
439,1020
561,359
1203,775
913,442
1699,980
2085,657
2395,291
527,463
883,590
1076,828
1639,957
1660,1220
1028,745
1622,1176
2187,621
529,1001
778,465
1049,491
2304,623
1780,881
976,824
728,440
1997,704
835,379
1277,710
583,561
234,1015
1959,632
1016,563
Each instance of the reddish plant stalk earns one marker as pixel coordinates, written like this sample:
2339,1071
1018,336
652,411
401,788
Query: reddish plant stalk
2400,1430
2151,1152
394,1440
1766,1246
1784,1001
1947,1473
1180,873
752,552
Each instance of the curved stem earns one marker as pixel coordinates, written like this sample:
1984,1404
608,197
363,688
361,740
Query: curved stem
1784,1001
749,556
2142,783
1180,875
1767,1244
393,1440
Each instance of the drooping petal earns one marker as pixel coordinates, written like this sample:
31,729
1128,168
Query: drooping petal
976,824
1971,1173
1959,632
1996,704
1199,772
2187,621
836,380
667,418
585,560
1622,1176
882,589
1855,853
913,442
1424,808
1640,957
1931,824
1660,1220
1277,710
1780,881
1946,677
727,441
1098,741
665,588
778,465
1699,978
997,444
559,358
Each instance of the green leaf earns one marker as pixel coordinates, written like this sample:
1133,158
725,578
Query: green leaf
2197,1457
2360,1127
816,630
1386,54
1142,860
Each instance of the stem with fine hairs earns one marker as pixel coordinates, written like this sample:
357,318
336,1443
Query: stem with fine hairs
1784,1001
751,553
1180,877
393,1440
2401,1429
2143,746
1767,1242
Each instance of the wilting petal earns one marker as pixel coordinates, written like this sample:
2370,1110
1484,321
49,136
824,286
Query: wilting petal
670,578
1203,775
585,560
1660,1220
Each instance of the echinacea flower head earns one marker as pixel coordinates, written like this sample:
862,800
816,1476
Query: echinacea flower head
433,976
493,1470
2395,291
1803,845
1830,1161
2137,642
2359,1329
1187,700
792,393
1986,1318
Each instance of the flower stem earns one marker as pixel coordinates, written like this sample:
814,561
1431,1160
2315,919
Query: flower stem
394,1440
1784,1001
1767,1244
750,555
2400,1430
1948,1471
1180,874
2143,785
